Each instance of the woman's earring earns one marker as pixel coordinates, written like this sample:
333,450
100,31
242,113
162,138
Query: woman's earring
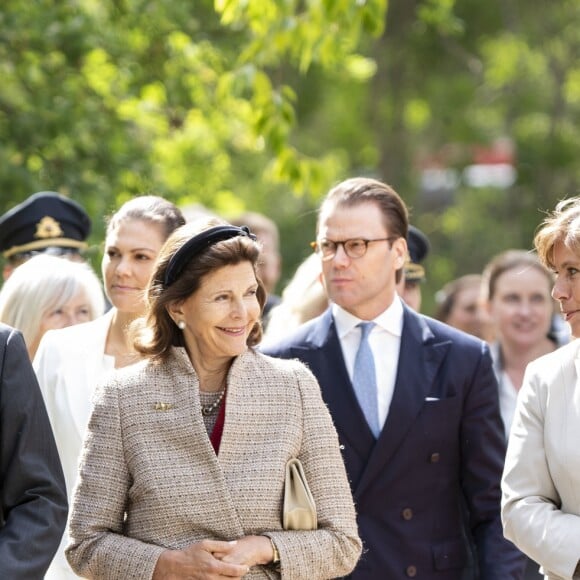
181,324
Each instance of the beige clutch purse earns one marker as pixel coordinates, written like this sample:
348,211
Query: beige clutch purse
299,511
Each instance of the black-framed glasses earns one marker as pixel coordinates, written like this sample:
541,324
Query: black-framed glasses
353,248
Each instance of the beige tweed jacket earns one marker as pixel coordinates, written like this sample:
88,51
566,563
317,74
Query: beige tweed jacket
150,480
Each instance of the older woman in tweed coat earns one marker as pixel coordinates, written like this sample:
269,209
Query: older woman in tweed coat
183,466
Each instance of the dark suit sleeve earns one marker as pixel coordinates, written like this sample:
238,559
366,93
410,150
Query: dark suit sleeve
32,489
483,455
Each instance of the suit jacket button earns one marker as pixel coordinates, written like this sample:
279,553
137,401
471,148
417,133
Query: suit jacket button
407,514
411,571
434,458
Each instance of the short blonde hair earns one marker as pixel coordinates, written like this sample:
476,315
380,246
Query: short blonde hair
561,225
44,283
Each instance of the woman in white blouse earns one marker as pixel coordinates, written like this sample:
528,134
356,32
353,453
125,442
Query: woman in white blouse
541,480
72,361
516,290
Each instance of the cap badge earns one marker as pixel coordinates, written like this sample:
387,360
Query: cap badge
48,227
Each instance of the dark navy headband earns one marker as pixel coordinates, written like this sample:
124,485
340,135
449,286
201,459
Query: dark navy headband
197,244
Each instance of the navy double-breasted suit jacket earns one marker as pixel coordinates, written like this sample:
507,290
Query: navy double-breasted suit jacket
438,458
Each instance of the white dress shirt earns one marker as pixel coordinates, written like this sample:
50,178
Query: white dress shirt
508,395
385,343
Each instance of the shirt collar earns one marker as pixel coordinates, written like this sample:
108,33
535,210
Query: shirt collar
390,320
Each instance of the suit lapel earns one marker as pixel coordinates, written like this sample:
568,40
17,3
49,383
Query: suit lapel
419,359
323,355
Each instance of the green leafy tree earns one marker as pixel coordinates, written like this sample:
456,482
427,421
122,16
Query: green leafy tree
448,77
105,100
264,104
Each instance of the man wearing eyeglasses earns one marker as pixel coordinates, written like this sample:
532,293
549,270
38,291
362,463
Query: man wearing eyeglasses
413,400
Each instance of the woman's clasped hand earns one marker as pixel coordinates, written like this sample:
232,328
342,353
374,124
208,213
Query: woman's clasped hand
213,559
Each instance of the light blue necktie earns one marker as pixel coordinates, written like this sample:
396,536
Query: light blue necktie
364,379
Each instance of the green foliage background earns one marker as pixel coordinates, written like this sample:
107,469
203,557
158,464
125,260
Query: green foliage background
265,104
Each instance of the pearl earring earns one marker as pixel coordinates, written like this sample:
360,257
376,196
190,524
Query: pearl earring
181,324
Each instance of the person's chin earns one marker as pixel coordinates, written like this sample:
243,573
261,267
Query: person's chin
340,294
234,352
126,303
347,302
575,327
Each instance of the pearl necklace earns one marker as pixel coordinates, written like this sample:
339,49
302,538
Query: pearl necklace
209,409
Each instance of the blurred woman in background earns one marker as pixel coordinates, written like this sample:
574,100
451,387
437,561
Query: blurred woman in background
459,305
46,293
71,362
516,293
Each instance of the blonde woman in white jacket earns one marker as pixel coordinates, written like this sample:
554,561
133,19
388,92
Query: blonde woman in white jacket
541,480
70,362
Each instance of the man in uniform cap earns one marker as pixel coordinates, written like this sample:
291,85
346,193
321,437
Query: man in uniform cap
413,272
46,222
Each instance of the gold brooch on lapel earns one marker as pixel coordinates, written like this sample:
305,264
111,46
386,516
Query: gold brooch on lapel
163,406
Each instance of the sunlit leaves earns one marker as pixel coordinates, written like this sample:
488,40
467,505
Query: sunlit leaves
307,32
309,176
572,86
101,73
187,99
417,114
440,14
360,68
509,57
